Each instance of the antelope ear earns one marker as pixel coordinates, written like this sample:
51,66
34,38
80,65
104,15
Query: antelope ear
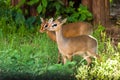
50,20
64,21
42,20
59,17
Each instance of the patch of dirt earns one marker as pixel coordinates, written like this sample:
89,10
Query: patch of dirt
114,33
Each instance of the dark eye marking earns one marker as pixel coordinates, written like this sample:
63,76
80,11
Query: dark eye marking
46,26
54,25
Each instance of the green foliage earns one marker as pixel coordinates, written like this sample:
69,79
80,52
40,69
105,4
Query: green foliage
42,6
39,8
67,68
100,34
30,21
109,68
4,8
56,8
85,14
19,19
47,8
81,14
111,1
59,71
73,15
31,2
29,55
20,4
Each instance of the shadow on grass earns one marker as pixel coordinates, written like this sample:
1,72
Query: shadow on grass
29,76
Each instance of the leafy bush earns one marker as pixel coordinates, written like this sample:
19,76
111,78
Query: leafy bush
54,8
109,68
82,14
57,8
45,9
100,35
4,6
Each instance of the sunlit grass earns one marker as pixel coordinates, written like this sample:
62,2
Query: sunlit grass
26,52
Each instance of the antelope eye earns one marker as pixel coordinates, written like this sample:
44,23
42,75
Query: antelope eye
54,25
46,26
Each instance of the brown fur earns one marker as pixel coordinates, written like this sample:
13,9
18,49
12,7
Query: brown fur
83,45
69,30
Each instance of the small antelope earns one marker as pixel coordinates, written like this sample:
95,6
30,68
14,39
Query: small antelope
83,45
44,24
69,30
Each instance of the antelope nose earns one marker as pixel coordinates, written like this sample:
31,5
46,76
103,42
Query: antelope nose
41,31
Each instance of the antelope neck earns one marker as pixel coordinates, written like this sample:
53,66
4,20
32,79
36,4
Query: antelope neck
59,37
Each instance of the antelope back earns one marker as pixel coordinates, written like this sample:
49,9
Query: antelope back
77,29
74,29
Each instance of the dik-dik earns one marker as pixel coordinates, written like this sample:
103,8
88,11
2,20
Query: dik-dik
44,24
69,30
83,45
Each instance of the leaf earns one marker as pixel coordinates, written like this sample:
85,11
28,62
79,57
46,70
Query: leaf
71,3
83,7
58,7
83,17
44,3
29,22
31,2
39,8
20,3
89,14
19,18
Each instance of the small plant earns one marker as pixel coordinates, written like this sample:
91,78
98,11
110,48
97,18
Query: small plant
81,14
100,35
109,68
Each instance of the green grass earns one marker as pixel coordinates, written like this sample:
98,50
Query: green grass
30,55
26,54
25,48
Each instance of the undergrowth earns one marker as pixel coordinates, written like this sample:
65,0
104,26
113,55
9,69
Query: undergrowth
26,54
109,67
